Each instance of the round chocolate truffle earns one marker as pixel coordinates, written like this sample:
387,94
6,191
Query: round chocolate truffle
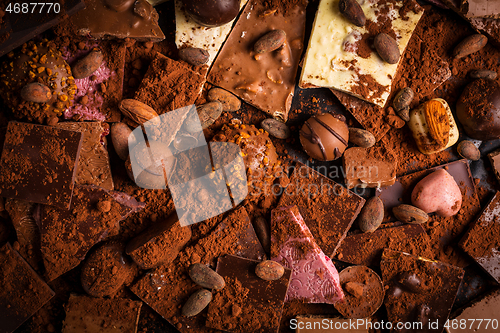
259,155
478,109
212,13
41,63
324,136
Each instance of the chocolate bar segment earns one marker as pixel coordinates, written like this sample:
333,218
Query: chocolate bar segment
39,164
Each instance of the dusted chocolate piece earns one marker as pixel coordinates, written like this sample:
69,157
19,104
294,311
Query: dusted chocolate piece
260,158
494,158
20,27
118,19
212,13
266,81
328,208
487,307
370,167
22,291
324,324
42,63
93,164
482,240
324,136
431,303
366,248
39,164
260,302
105,270
67,235
160,243
314,277
444,232
363,290
478,109
88,315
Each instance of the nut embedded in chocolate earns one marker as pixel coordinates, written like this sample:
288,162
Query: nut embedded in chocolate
36,92
353,12
212,13
387,48
194,56
324,137
262,230
86,66
270,41
470,45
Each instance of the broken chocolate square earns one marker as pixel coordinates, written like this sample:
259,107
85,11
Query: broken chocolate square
67,235
39,164
328,208
482,240
93,165
419,291
260,302
88,314
314,277
22,291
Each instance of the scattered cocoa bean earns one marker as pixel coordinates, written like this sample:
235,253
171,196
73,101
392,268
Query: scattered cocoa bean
410,214
138,111
196,303
468,150
470,45
371,215
229,101
194,56
276,128
361,137
387,48
209,113
353,12
86,66
120,133
269,270
403,99
483,74
404,114
206,277
36,92
270,41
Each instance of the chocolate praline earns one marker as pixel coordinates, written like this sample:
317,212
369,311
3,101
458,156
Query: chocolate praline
212,13
324,136
478,109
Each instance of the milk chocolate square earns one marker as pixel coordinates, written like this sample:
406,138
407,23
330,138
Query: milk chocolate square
88,315
419,290
67,235
260,301
93,165
265,80
22,291
328,208
39,164
482,240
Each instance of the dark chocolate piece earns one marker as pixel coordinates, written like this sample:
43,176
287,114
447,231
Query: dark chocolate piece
212,13
22,291
20,27
427,311
39,164
67,235
328,208
482,240
88,315
262,301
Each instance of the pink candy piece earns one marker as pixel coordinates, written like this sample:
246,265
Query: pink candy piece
314,278
437,193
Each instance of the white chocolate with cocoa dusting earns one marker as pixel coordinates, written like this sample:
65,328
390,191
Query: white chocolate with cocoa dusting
332,59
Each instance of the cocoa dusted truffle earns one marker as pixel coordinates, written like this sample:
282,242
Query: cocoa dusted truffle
324,136
478,109
259,155
212,13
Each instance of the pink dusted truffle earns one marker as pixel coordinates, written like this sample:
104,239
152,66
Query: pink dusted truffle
438,193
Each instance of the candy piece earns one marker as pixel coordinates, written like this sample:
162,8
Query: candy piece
433,126
478,109
339,55
212,13
371,167
314,277
437,193
324,136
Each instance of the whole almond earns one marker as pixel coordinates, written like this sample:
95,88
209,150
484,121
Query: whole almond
269,270
206,277
138,111
270,41
120,133
209,113
371,215
196,303
468,150
262,230
353,12
403,99
194,56
483,74
36,92
86,66
387,48
229,101
470,45
276,128
410,214
361,137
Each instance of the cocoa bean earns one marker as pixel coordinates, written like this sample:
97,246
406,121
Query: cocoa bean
206,277
276,128
270,41
361,138
387,48
86,66
269,270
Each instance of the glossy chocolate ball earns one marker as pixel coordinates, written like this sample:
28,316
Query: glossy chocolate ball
478,109
212,13
324,136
